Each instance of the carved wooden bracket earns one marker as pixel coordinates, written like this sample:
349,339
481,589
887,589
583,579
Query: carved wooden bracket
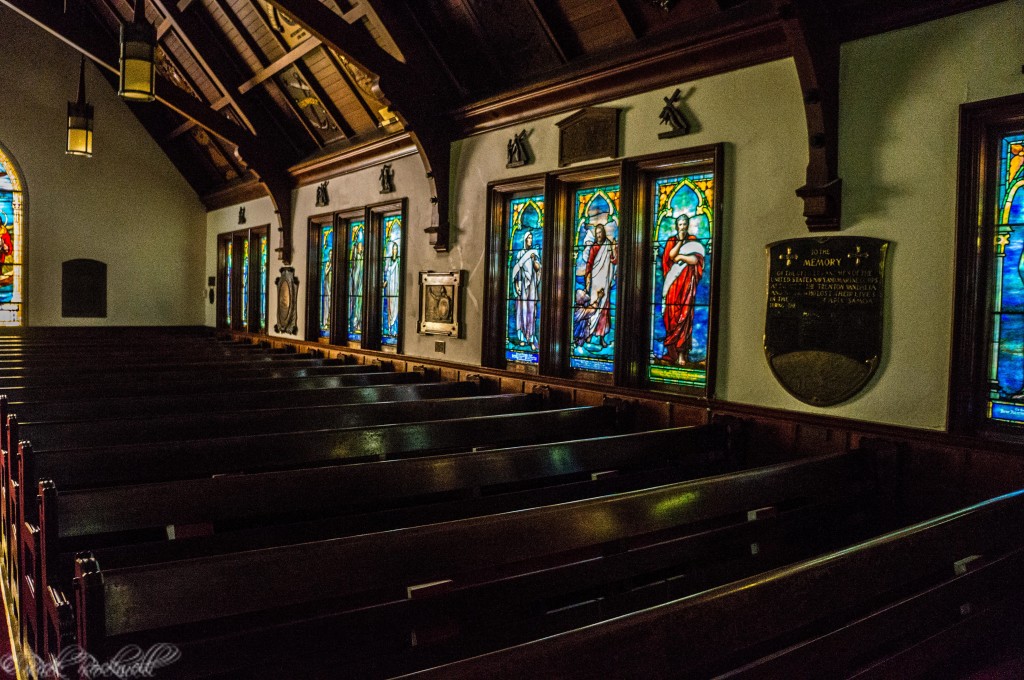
279,186
815,47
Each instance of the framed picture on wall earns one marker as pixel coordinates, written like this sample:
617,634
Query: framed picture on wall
440,293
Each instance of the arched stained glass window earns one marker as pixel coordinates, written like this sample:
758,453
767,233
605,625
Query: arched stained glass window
1006,355
682,234
264,265
12,227
391,288
594,291
326,278
525,239
356,259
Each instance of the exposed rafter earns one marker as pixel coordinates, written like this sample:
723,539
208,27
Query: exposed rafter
412,88
85,34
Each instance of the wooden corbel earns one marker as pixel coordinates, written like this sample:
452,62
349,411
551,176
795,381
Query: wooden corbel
815,47
436,151
280,190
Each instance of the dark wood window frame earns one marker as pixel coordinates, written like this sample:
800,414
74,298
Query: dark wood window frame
373,270
636,177
373,216
315,224
237,238
982,125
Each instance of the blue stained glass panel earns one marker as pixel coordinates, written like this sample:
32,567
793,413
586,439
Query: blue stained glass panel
264,247
525,239
244,311
356,259
391,288
1006,354
682,238
326,278
595,271
229,269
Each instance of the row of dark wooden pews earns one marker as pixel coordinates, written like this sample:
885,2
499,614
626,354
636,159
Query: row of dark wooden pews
242,512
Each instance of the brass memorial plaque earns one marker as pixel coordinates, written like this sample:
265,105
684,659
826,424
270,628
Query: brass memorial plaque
823,328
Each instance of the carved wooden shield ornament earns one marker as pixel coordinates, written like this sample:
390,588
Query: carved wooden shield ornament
287,301
823,327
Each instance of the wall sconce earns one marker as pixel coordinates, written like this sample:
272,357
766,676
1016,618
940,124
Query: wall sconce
80,121
138,45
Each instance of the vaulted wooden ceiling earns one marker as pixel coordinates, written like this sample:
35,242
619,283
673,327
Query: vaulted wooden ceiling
253,88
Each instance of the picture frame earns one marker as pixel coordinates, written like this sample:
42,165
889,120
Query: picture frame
440,308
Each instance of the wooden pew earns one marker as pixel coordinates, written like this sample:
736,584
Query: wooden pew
195,459
864,611
173,427
350,499
264,381
27,373
291,369
169,601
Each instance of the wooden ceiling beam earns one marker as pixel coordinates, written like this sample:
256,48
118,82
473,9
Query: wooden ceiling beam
82,32
281,64
411,88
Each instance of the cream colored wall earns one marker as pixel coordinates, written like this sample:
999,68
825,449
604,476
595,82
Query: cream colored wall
900,94
126,206
899,119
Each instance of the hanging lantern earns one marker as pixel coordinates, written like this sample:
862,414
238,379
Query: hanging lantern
138,47
80,121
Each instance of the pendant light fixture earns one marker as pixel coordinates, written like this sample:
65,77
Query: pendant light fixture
138,47
80,121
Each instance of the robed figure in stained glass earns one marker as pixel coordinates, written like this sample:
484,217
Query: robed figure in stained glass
526,284
355,281
392,279
682,263
597,267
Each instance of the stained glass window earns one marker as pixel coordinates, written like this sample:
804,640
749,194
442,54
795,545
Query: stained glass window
356,258
11,228
391,290
594,296
244,309
229,269
326,278
682,234
1006,360
525,239
264,246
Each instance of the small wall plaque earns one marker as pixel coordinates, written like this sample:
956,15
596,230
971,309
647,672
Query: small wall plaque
588,134
84,289
439,303
241,215
287,301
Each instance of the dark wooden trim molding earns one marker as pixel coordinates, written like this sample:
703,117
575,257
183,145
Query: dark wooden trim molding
353,158
246,188
630,72
981,124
